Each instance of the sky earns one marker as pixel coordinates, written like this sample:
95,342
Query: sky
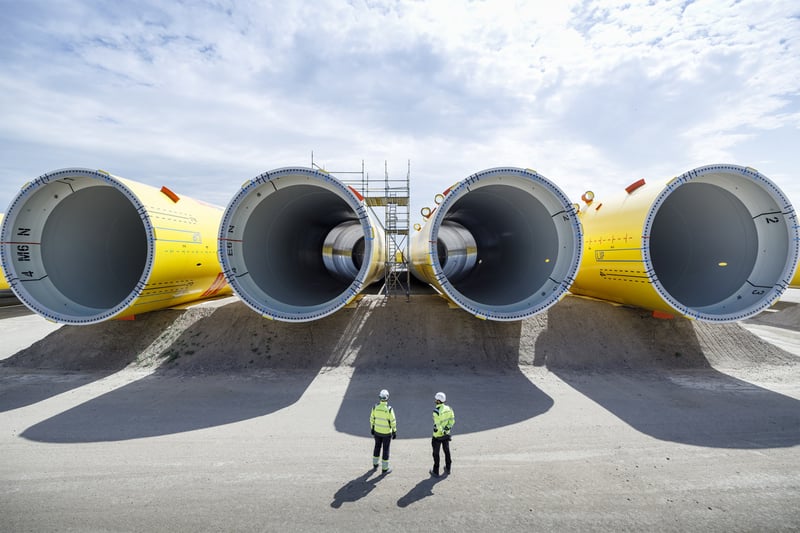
202,96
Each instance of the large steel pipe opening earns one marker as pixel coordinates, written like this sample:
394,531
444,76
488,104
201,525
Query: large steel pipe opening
718,243
504,244
76,245
81,246
296,244
723,243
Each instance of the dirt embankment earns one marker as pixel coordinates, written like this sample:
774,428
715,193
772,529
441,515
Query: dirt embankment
393,333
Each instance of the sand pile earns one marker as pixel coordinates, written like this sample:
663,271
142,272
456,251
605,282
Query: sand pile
393,333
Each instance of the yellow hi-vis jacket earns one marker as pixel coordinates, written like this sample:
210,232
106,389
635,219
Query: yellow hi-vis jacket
382,420
443,420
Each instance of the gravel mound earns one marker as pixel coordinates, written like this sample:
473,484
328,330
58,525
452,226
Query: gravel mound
378,332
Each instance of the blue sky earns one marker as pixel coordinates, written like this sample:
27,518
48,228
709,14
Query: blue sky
202,96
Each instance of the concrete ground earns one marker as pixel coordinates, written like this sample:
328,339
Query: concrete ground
536,448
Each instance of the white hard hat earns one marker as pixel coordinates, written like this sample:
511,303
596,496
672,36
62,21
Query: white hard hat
383,394
441,397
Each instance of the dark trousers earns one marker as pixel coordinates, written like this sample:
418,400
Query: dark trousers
443,443
382,440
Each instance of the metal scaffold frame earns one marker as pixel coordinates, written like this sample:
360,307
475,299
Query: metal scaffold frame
393,194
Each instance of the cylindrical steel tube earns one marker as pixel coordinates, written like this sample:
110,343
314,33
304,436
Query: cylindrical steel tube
719,243
81,246
296,244
504,244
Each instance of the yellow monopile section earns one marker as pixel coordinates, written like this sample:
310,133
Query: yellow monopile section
718,243
81,246
504,244
297,244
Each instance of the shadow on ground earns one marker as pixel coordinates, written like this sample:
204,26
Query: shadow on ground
162,405
658,377
93,351
475,362
421,490
215,366
701,408
481,401
357,488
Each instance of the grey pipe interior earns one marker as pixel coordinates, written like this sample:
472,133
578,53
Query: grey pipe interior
93,248
697,227
283,244
723,241
516,244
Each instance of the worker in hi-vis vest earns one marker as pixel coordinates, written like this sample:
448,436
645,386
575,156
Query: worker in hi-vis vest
383,426
443,420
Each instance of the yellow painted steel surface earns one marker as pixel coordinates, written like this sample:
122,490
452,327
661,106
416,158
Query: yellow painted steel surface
185,265
65,239
722,248
612,266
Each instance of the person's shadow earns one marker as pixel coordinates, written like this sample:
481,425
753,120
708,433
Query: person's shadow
423,489
357,488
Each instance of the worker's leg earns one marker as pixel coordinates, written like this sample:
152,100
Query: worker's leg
447,461
387,440
376,451
435,444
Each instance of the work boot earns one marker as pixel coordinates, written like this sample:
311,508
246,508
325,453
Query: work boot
433,472
386,471
446,471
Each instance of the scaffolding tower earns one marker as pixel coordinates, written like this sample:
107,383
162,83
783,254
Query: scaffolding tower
397,275
393,194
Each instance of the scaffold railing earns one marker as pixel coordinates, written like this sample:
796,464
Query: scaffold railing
393,194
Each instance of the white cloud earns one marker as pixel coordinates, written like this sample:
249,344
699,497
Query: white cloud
590,94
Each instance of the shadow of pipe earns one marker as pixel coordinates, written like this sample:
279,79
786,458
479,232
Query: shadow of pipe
476,362
279,361
658,377
699,408
94,351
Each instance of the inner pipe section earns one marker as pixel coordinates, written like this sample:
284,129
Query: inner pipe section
79,246
284,241
722,239
505,244
699,227
457,249
94,248
299,245
515,244
343,250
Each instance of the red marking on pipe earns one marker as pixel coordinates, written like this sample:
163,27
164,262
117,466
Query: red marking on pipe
633,186
450,188
169,194
127,317
358,194
662,315
218,285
